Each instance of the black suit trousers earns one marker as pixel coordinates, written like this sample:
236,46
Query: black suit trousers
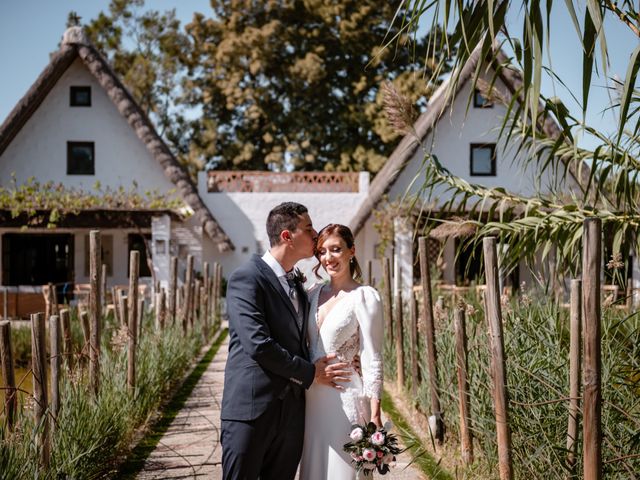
268,447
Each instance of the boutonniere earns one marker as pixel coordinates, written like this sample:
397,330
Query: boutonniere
298,276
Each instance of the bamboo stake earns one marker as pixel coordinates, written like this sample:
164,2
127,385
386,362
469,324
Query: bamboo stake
592,428
464,399
8,373
95,309
413,335
39,368
386,293
574,372
67,346
500,393
399,341
54,349
134,270
173,288
430,339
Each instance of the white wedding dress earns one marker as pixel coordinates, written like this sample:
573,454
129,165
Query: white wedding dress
353,326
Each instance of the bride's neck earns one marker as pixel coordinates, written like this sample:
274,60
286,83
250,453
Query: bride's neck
344,282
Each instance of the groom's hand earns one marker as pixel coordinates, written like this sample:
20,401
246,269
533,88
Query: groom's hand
330,373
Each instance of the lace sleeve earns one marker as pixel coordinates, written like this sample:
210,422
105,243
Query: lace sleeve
369,313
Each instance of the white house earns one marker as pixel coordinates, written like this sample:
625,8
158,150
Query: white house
462,131
76,125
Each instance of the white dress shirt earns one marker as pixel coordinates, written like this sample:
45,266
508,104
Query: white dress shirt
280,273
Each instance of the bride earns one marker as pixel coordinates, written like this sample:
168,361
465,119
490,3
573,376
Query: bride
346,319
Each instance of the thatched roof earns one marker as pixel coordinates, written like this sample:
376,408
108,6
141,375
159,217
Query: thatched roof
439,102
75,44
454,228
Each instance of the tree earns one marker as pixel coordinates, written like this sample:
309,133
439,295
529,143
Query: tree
610,189
269,84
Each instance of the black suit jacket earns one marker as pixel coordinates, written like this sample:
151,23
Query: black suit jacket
268,353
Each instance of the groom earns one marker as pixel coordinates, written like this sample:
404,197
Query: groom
268,366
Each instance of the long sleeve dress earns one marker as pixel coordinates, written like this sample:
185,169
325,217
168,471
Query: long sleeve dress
353,326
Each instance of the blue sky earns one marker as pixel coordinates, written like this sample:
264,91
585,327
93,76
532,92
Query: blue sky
31,29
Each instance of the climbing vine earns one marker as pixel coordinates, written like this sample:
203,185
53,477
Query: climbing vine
33,197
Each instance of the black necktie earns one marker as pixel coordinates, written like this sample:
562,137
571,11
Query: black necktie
293,294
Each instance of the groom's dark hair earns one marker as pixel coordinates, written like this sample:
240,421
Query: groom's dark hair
285,216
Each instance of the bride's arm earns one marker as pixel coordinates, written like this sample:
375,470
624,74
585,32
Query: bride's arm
369,314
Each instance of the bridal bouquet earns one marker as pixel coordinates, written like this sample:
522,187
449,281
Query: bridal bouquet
372,448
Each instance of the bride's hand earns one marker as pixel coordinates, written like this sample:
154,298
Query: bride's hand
377,420
328,374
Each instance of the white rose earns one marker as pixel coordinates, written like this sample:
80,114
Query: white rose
356,434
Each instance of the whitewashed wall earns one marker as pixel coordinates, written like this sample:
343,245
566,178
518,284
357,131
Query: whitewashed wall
243,217
40,148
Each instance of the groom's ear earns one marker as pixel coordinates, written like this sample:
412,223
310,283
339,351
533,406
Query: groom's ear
285,236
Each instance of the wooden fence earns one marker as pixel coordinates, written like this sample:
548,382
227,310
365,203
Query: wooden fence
201,303
585,331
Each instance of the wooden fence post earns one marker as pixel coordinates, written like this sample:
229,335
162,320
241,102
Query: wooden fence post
134,270
39,368
574,371
173,289
5,304
464,399
103,288
55,351
219,295
8,374
141,307
500,391
413,335
123,300
67,345
399,340
386,294
206,300
84,324
591,314
95,309
188,290
162,308
430,339
116,306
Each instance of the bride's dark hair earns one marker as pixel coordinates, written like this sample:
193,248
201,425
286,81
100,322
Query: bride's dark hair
345,234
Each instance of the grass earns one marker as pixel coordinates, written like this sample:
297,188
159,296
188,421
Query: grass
141,452
421,458
536,346
94,433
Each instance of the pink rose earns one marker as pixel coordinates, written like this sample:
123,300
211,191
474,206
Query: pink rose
377,438
356,434
369,454
379,454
